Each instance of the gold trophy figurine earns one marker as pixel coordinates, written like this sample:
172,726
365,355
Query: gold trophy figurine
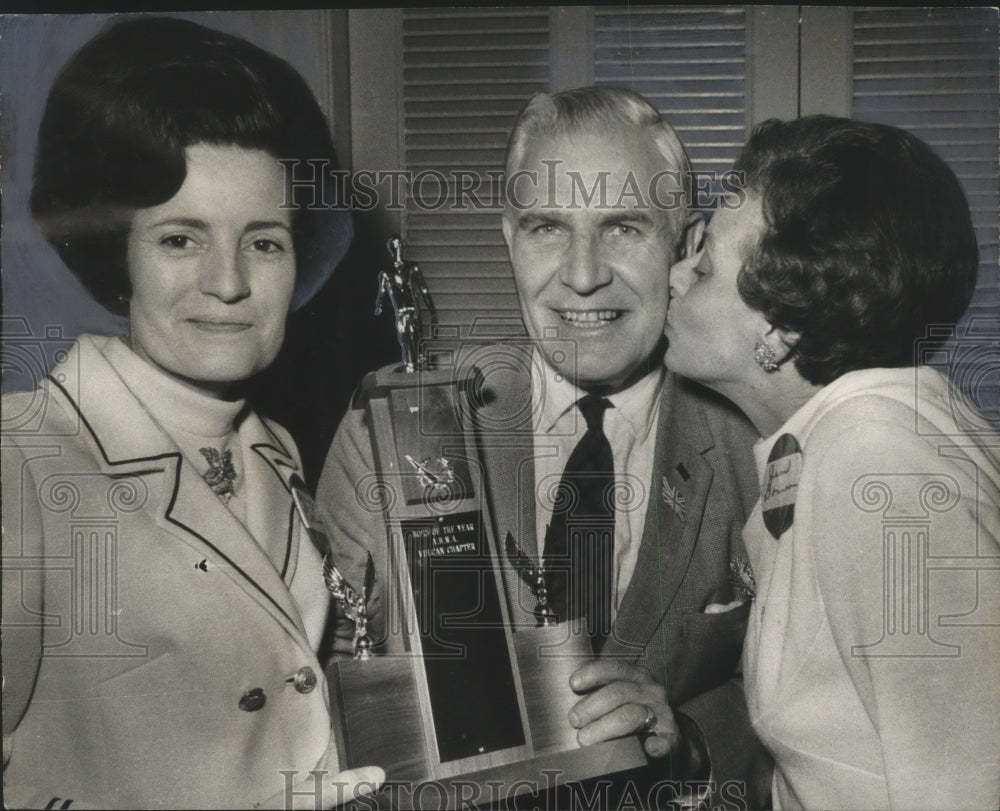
535,578
403,284
353,602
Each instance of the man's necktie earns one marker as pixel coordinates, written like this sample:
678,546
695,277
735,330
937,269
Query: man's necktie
579,543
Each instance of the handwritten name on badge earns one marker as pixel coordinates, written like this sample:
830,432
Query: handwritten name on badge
781,484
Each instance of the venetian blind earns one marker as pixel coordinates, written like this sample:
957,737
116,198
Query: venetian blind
690,63
466,74
934,73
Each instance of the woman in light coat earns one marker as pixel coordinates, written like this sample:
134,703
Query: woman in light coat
162,602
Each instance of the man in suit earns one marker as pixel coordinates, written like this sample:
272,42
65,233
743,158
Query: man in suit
596,213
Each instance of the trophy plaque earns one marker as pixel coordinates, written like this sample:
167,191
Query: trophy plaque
474,698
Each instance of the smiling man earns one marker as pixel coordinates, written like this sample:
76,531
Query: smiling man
589,250
596,214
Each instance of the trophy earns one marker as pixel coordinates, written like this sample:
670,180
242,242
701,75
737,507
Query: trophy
534,577
480,691
403,285
353,603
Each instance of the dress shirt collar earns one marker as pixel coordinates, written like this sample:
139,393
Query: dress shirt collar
635,406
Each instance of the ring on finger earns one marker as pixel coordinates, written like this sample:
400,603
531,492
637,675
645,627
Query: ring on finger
650,722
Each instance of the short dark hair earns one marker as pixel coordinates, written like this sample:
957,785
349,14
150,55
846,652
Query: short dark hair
868,241
118,120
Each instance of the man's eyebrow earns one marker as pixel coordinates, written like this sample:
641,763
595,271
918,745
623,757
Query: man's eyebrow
536,217
627,216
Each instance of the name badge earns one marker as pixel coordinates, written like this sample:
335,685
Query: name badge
781,484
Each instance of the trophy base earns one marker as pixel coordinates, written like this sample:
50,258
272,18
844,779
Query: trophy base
492,787
382,723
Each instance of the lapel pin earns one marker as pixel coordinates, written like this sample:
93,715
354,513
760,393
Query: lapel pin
221,475
741,579
673,498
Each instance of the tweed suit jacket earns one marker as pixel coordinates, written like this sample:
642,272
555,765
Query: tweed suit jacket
703,453
138,612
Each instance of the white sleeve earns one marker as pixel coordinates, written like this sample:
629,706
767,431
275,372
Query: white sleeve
883,498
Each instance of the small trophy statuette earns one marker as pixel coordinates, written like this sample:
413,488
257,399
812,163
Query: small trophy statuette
355,604
436,475
534,576
403,284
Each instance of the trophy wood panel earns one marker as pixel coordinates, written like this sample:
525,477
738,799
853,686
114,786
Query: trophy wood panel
379,716
402,512
546,658
504,782
468,661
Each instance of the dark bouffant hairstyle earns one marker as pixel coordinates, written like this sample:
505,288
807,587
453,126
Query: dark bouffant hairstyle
119,117
868,241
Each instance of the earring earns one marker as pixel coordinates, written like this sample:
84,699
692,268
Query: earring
765,356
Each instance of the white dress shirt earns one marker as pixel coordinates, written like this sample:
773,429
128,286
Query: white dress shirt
630,427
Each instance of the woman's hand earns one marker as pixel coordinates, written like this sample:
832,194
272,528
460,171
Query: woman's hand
329,787
326,791
351,784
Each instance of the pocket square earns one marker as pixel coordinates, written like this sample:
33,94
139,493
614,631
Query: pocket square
720,608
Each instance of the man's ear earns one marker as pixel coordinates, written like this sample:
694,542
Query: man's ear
507,226
692,236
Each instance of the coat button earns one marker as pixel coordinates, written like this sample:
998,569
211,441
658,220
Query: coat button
252,700
304,679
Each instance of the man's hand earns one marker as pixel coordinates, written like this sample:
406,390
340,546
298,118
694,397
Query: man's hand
622,699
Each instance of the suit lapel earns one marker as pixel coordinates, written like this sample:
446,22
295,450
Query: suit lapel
272,518
130,443
677,496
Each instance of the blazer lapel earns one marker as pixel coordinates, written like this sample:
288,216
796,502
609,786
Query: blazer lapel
677,495
272,518
199,517
181,503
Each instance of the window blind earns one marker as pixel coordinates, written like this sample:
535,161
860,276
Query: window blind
690,62
934,72
466,74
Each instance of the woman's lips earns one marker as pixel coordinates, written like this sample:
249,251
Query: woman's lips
219,326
